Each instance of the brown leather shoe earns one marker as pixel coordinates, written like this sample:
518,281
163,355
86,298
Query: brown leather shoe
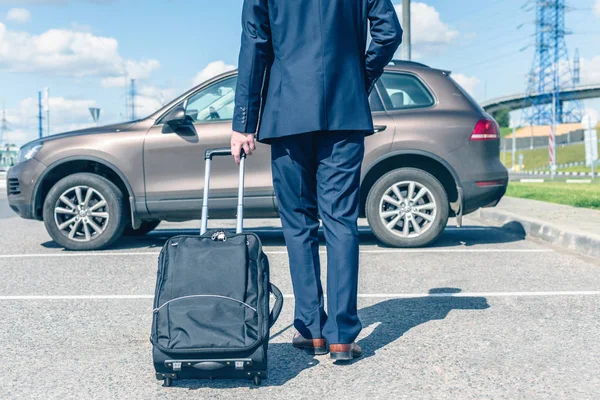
344,352
312,346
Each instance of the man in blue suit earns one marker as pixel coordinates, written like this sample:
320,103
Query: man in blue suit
305,75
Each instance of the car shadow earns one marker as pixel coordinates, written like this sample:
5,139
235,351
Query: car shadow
393,318
273,236
472,235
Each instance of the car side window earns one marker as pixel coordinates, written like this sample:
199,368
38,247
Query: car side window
405,91
215,103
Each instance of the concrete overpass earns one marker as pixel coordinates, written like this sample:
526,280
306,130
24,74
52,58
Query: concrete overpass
515,101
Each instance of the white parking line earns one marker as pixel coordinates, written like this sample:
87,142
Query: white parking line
579,181
382,251
532,181
363,296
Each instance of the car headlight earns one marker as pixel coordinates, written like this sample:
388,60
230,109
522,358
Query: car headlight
27,152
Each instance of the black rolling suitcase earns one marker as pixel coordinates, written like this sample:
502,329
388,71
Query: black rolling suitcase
211,307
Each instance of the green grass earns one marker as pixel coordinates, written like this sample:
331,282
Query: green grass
579,168
577,195
505,131
538,158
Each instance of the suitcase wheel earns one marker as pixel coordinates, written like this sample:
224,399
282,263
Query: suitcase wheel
257,380
167,382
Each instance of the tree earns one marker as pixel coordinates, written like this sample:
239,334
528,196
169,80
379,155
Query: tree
503,117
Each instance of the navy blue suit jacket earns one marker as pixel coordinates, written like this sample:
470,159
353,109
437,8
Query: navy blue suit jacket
304,64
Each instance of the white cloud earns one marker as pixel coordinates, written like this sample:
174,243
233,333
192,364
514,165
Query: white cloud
68,53
151,98
132,70
18,15
469,83
590,70
597,7
72,114
213,69
429,33
65,115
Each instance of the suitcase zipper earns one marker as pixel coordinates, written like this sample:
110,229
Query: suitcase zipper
205,295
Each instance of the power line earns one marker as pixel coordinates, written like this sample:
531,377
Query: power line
488,44
475,11
486,61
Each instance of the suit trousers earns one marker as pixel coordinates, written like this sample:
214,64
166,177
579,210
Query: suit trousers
316,175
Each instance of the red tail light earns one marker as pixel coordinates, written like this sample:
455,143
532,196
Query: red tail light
485,130
500,182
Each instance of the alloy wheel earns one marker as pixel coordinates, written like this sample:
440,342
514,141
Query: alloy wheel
81,213
408,209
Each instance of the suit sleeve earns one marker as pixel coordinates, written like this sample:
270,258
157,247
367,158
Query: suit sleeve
386,35
256,54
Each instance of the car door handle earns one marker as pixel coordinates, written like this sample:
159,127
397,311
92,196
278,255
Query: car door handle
379,128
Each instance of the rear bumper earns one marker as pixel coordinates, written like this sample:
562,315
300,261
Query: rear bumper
489,172
476,197
21,180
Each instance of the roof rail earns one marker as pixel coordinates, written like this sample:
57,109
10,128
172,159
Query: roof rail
405,62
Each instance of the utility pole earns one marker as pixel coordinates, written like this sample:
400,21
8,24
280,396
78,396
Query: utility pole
407,43
132,94
3,124
577,68
40,116
47,101
552,138
514,144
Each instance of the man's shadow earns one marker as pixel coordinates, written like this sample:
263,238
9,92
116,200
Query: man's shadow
393,317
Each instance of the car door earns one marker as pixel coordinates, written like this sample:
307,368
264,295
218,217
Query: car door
380,143
174,162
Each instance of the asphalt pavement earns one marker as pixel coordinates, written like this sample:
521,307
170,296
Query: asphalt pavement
483,314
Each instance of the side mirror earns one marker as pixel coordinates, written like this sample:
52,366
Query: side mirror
177,120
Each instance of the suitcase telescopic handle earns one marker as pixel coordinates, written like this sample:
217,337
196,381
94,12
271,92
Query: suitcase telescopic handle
208,156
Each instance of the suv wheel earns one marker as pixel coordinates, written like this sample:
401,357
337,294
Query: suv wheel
84,212
407,207
145,227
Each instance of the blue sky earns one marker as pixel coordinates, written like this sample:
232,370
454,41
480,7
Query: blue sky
85,50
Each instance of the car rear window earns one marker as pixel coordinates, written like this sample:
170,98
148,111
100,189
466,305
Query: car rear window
405,91
465,93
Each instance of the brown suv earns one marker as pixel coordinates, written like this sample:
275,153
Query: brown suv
435,155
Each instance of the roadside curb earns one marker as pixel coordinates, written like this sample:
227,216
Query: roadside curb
584,243
559,173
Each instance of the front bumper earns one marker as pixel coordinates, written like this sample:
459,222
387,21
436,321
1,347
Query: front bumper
21,183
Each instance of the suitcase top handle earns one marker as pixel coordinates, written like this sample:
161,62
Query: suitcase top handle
220,152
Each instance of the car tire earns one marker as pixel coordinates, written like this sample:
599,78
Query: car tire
424,219
95,229
145,227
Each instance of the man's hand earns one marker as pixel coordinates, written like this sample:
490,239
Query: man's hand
241,141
